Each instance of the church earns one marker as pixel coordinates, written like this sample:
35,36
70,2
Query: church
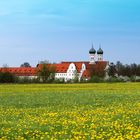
68,70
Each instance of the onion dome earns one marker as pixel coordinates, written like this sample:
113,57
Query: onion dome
92,50
100,51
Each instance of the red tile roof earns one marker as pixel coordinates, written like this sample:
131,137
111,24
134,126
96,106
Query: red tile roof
20,71
77,64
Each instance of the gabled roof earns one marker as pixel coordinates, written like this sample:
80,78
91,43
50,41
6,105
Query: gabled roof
77,64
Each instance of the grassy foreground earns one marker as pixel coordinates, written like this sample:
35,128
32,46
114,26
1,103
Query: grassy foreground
73,111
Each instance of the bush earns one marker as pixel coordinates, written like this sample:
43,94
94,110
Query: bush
22,80
135,79
59,81
6,77
96,79
114,79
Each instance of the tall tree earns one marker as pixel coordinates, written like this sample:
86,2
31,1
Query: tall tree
25,64
119,67
43,73
46,72
76,76
112,70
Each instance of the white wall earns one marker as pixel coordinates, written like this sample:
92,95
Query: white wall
100,57
70,74
92,58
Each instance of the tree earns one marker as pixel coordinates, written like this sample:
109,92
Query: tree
5,66
25,64
76,77
138,70
127,71
119,68
44,62
42,73
46,72
96,79
51,71
112,70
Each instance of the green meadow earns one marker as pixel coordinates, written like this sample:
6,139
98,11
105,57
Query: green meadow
70,111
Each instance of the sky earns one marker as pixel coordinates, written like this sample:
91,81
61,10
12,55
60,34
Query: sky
64,30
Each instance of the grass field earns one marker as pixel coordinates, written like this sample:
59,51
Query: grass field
70,111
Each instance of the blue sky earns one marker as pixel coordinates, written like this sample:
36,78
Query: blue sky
35,30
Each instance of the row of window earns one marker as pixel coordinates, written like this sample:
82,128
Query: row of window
61,74
71,70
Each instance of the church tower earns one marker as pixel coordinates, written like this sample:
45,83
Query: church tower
100,54
92,53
